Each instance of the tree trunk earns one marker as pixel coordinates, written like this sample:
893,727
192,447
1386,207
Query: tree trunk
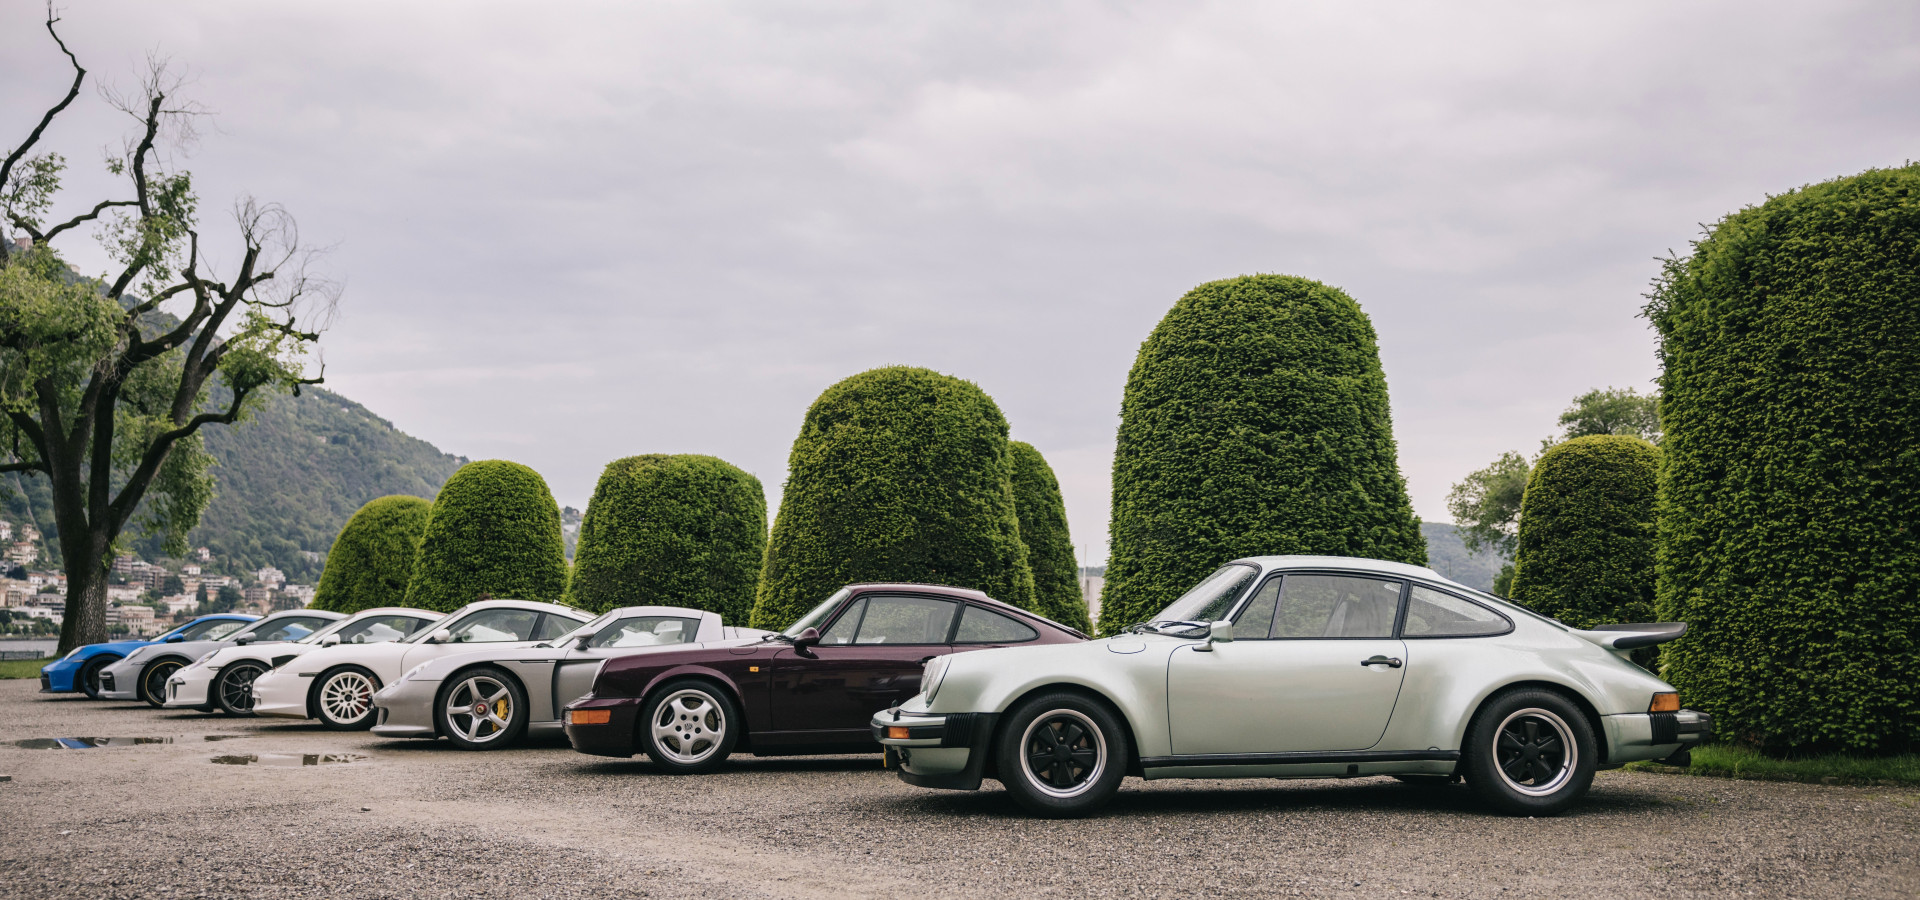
86,616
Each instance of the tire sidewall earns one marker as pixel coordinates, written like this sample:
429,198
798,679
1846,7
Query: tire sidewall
90,675
162,669
319,709
1480,763
219,687
643,726
1010,756
516,727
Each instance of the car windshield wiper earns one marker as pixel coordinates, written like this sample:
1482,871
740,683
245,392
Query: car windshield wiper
1157,627
776,636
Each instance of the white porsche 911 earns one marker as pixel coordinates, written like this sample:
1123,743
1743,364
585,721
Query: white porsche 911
488,699
1301,667
336,684
223,679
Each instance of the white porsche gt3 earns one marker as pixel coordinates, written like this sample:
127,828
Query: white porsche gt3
223,679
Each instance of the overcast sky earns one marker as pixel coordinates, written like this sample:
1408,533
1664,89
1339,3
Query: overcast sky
575,232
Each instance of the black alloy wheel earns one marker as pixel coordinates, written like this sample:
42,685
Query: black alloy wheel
1530,752
153,681
233,688
1061,754
90,675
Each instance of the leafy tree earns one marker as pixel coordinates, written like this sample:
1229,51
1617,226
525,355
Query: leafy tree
172,585
1585,548
105,383
1486,505
494,531
227,600
1255,421
201,602
1613,411
898,474
672,530
1043,528
372,559
1790,485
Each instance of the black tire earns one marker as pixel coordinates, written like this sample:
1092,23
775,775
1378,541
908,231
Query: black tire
478,725
153,680
688,726
1529,752
89,677
342,698
1061,754
232,689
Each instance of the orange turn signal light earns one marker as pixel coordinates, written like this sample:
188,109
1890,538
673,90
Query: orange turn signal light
1665,701
589,716
897,732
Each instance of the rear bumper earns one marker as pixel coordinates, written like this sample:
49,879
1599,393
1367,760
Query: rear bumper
615,737
1639,736
949,751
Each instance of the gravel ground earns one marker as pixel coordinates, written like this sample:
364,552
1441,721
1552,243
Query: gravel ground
417,819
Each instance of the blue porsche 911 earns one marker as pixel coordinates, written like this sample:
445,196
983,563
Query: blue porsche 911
80,669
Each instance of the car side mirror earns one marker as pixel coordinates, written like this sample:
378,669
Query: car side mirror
581,642
440,636
1217,632
330,640
244,639
176,639
804,641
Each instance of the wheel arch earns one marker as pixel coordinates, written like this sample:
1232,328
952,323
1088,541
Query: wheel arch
453,676
718,679
1573,695
313,690
991,769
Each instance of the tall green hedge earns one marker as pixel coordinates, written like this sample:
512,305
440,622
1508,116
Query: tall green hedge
1789,534
672,531
899,474
1254,422
1585,551
494,531
1043,528
372,558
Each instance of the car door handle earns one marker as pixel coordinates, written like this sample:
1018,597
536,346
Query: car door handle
1391,662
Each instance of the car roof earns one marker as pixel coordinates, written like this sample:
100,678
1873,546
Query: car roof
524,604
661,611
303,611
224,616
401,611
1354,563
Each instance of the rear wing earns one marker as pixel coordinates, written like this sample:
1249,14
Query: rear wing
1634,635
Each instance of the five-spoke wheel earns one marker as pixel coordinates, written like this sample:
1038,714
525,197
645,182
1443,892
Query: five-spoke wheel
689,727
343,698
1061,754
233,688
482,709
1530,752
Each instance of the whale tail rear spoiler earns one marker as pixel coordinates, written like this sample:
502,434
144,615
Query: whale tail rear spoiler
1633,636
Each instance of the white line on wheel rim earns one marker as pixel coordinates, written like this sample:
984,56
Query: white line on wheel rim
1074,751
1535,752
486,705
687,726
346,696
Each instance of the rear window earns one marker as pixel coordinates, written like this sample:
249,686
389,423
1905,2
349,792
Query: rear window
1431,613
979,626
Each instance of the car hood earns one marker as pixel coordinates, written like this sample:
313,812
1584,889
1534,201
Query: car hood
121,647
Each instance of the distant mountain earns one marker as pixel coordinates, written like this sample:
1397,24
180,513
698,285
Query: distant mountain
1448,556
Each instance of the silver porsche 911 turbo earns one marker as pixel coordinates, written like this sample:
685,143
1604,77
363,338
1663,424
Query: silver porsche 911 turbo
489,699
1301,667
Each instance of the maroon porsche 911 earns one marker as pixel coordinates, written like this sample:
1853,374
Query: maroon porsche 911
809,689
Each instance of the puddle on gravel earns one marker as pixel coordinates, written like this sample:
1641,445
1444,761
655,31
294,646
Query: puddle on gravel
87,743
288,759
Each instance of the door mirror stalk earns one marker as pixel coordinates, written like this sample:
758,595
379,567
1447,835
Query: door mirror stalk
440,636
330,640
804,641
1217,632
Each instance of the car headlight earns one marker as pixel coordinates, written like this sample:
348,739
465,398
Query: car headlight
931,676
70,653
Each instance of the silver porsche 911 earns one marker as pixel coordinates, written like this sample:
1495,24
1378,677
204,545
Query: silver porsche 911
1301,667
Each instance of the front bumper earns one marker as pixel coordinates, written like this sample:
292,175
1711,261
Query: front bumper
281,693
405,709
121,681
615,737
189,688
60,677
948,751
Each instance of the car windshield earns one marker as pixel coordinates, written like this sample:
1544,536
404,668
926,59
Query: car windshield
211,631
818,614
1210,600
590,627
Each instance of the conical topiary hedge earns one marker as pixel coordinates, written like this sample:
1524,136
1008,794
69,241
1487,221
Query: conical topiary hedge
672,531
1255,421
898,474
1790,480
494,531
1043,528
372,558
1585,552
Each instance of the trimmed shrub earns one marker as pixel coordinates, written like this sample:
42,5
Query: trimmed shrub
1790,484
671,531
372,558
1043,528
1254,422
1585,552
494,532
899,474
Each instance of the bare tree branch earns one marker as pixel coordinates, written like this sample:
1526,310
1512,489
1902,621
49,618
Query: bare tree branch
79,75
54,232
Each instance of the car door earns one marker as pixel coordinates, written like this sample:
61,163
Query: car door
870,658
573,675
1313,666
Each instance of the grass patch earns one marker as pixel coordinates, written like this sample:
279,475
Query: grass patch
1834,768
22,668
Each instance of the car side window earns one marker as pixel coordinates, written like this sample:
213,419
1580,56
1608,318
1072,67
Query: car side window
1431,613
843,628
215,630
380,630
290,629
496,625
1255,621
646,631
553,626
1336,606
979,626
904,619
